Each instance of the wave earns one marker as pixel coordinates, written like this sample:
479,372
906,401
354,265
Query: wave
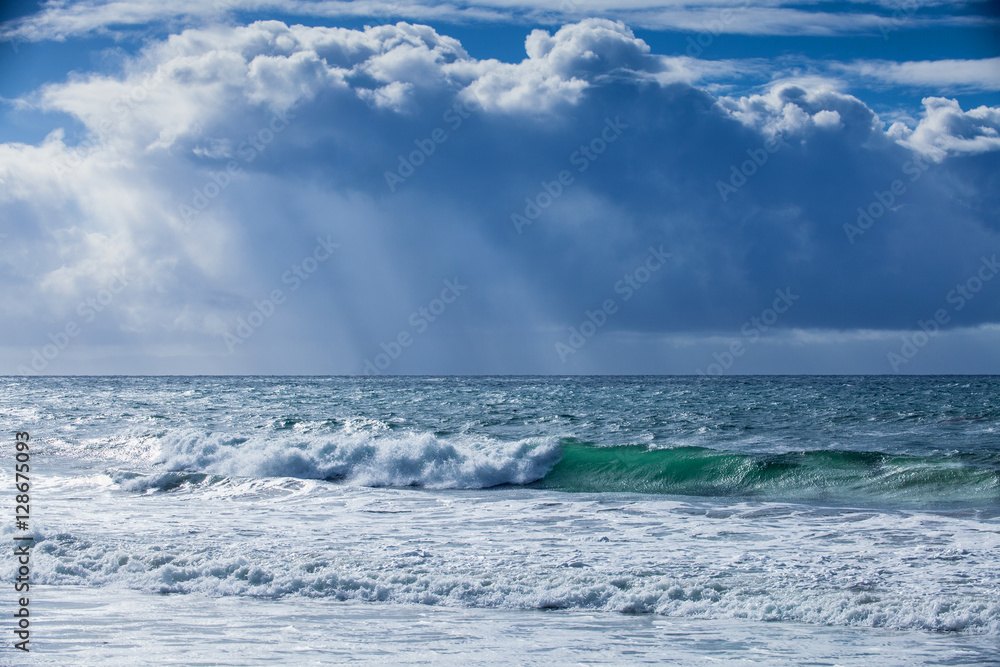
167,481
833,475
422,460
476,462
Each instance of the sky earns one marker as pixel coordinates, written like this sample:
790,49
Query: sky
496,187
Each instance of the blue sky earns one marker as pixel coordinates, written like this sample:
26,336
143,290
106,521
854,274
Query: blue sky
574,186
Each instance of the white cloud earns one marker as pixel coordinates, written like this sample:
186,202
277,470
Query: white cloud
62,19
560,67
940,75
827,119
945,129
790,109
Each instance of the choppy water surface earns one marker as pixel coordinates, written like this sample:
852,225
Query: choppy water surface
817,502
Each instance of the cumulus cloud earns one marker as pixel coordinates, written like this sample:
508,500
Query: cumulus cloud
944,129
220,158
560,67
790,109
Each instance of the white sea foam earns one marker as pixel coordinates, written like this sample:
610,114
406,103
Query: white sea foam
424,460
540,550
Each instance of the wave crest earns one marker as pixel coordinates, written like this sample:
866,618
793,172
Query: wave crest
422,460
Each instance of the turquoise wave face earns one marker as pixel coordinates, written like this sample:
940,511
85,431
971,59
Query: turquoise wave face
823,475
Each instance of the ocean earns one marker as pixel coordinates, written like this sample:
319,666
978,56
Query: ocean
566,520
